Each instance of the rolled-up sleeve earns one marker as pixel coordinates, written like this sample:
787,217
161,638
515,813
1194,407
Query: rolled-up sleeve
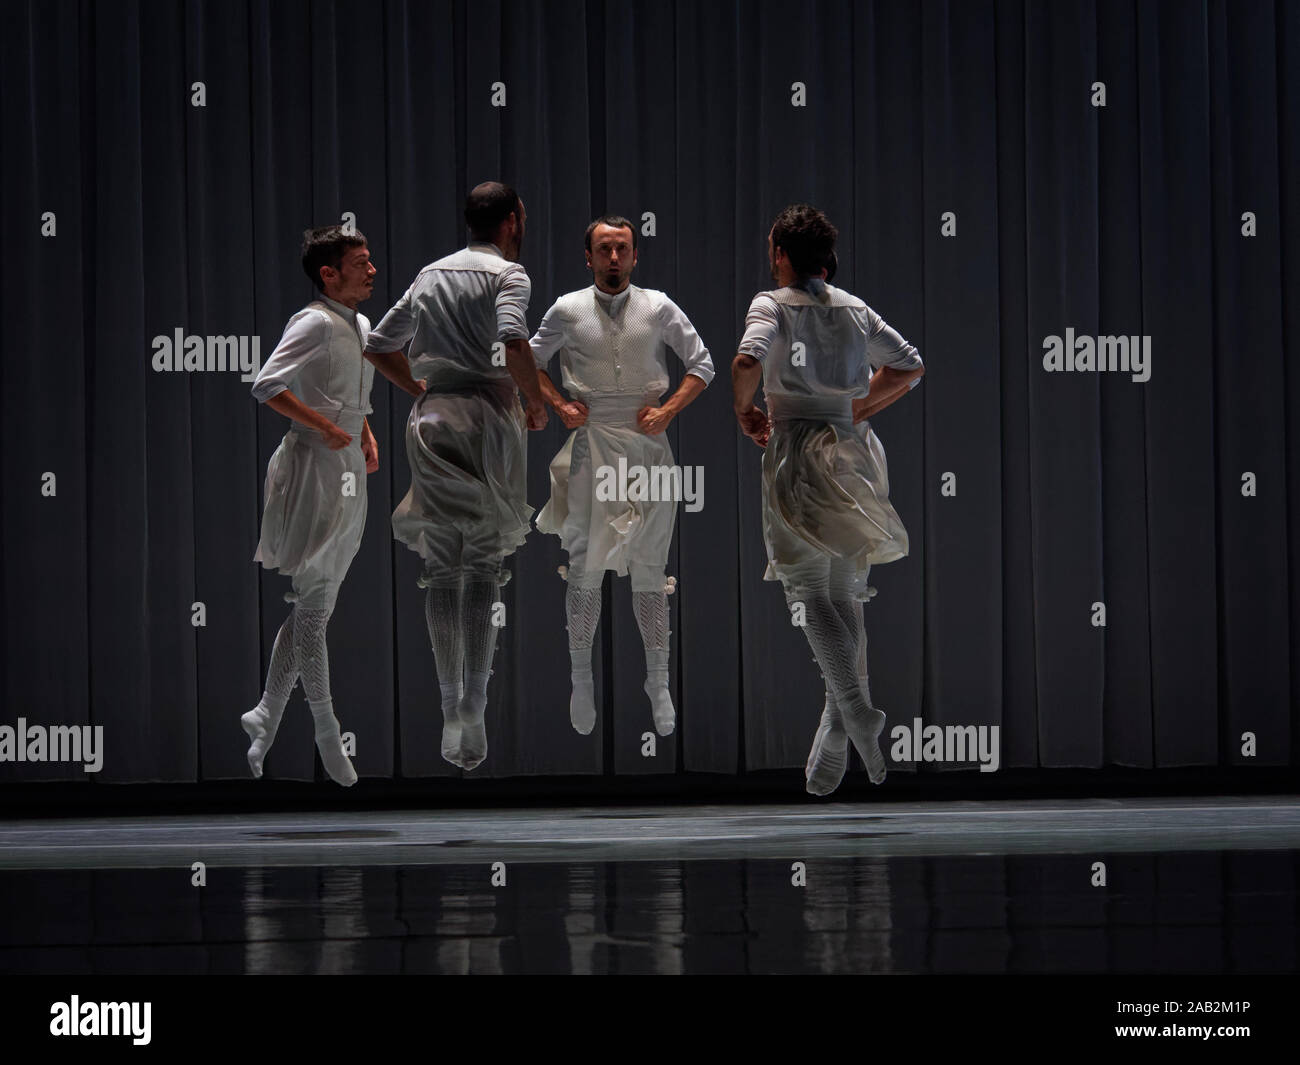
512,304
886,347
762,324
681,336
549,337
396,328
307,336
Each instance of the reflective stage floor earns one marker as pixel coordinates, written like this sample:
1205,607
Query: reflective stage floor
1086,886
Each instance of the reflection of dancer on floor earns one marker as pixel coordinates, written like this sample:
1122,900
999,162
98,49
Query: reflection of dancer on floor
611,338
826,511
316,482
465,438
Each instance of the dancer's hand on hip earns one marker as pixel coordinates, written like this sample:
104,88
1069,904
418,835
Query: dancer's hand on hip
653,420
370,451
336,438
572,414
535,414
755,425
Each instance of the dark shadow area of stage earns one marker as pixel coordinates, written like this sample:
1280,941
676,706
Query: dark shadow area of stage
68,799
1183,913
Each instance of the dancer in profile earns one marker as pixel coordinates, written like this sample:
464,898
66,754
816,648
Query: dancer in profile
315,508
466,511
611,338
826,512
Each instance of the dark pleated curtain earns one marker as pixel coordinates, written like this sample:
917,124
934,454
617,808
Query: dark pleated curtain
1065,490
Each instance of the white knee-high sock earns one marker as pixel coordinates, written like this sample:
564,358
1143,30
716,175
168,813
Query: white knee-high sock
651,609
835,645
829,757
582,614
442,613
313,662
262,722
480,643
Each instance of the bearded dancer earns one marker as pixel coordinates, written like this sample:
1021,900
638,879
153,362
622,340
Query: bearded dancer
826,511
612,338
466,510
312,523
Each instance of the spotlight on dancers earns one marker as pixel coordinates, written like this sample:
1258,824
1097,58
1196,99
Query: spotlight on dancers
464,321
311,523
826,512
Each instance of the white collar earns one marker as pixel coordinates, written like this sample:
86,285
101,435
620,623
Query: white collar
341,308
612,301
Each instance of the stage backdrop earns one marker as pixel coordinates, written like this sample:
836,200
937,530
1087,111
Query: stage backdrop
1103,567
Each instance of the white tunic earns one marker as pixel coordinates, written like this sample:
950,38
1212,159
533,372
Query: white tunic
612,358
311,525
825,480
843,341
453,313
465,438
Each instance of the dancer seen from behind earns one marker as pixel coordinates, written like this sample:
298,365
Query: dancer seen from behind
462,323
827,362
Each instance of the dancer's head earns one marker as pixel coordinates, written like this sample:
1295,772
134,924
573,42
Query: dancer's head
338,263
611,252
495,214
801,244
